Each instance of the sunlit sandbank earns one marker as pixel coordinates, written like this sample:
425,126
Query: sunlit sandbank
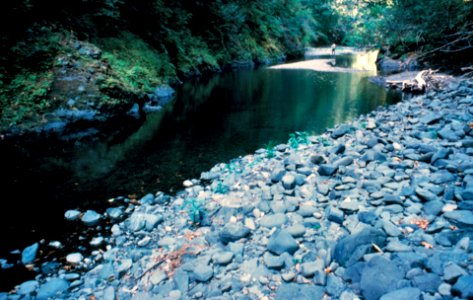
363,61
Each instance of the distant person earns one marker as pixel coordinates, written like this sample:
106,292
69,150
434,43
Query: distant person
333,49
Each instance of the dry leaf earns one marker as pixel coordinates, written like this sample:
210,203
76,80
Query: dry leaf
427,245
422,223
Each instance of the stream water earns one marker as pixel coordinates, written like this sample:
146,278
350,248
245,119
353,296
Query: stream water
211,120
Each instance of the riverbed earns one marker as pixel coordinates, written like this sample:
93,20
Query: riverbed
211,120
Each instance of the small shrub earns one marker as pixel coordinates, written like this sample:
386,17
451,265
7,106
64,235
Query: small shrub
298,138
195,209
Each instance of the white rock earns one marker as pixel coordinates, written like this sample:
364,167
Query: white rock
74,258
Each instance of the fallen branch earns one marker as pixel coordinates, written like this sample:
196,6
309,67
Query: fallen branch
416,85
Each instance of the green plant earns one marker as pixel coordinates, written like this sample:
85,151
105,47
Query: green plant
270,152
195,209
298,138
221,188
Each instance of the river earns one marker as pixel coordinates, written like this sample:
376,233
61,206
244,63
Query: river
211,120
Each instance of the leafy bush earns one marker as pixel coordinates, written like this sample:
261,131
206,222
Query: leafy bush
135,65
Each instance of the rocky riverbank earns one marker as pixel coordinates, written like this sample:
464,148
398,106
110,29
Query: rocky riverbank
377,208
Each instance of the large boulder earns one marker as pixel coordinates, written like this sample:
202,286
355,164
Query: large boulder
351,249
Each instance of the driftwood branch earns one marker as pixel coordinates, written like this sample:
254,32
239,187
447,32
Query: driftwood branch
416,85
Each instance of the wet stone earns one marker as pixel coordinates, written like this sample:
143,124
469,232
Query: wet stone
233,232
72,215
427,282
380,276
464,287
461,218
91,218
408,293
288,181
223,258
281,241
299,291
275,220
296,230
272,261
335,215
203,273
327,170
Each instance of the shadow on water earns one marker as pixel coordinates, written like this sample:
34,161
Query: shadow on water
211,120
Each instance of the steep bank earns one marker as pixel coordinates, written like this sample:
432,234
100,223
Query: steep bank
380,205
113,54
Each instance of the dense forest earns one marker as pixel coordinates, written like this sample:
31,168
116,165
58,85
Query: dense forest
129,47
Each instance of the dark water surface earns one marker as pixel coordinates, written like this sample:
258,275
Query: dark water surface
211,120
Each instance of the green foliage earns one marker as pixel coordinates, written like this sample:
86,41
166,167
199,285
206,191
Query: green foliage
221,188
195,210
27,78
298,138
269,147
135,65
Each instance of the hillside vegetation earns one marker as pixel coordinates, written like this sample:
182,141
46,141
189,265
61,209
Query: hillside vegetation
133,46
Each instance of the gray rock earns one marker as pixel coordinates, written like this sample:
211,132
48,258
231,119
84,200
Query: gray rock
335,215
91,218
123,266
430,118
464,287
389,66
203,273
461,218
308,269
428,282
396,246
72,215
379,277
28,255
327,170
408,293
289,181
181,280
442,177
109,293
274,220
341,131
433,208
318,159
425,195
296,230
272,261
74,258
299,291
371,155
27,287
448,134
222,258
452,271
467,194
139,221
307,210
277,175
390,228
351,249
323,189
147,199
345,161
350,206
52,289
115,213
335,286
233,232
164,91
281,241
392,199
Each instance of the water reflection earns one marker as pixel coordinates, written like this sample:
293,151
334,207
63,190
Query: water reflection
211,120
